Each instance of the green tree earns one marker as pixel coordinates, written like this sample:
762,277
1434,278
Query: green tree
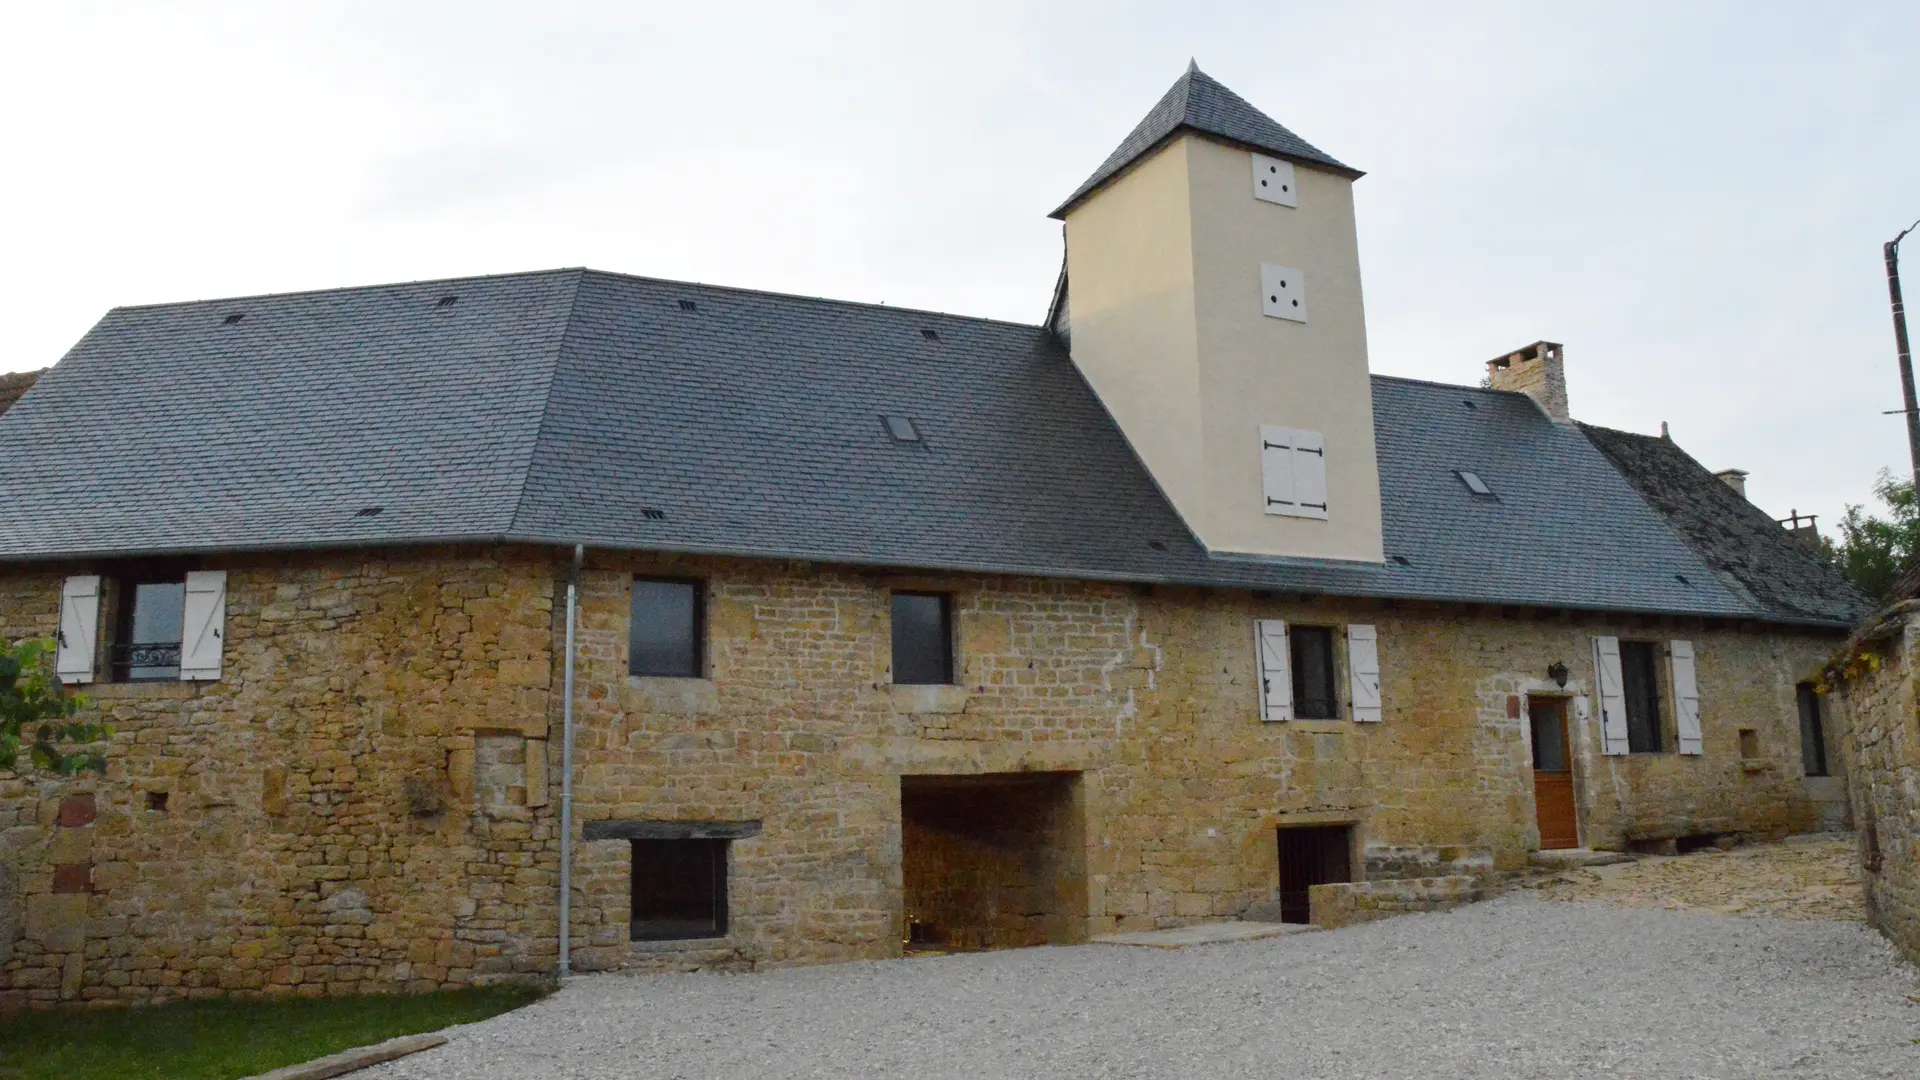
1873,552
37,712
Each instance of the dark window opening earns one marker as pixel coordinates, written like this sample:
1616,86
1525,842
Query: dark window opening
1640,682
1309,856
1312,661
1813,733
679,889
148,630
668,633
922,639
157,801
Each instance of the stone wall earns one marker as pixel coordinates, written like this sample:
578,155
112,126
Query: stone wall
320,833
1344,904
343,815
1883,748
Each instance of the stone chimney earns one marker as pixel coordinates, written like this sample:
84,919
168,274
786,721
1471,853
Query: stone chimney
1536,371
1735,479
1802,528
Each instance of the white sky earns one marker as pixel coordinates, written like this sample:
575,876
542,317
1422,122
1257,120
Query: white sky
1691,197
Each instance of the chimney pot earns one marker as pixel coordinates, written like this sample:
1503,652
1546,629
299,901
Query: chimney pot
1538,371
1735,479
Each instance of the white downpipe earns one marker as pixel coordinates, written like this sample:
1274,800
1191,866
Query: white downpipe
566,773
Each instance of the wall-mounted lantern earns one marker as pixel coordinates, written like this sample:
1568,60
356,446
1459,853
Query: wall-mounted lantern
1558,673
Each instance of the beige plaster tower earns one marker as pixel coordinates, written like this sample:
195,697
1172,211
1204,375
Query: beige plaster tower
1212,299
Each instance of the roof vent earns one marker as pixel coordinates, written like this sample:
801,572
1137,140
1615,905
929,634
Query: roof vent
368,511
929,333
1157,545
688,305
232,319
901,428
1470,405
446,301
651,514
1473,482
1400,559
1682,579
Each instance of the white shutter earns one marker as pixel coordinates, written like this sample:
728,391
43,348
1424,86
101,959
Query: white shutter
1276,674
204,629
1310,474
1363,673
1276,469
1686,698
79,629
1613,698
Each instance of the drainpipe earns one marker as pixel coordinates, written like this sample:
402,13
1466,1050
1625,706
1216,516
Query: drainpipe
566,771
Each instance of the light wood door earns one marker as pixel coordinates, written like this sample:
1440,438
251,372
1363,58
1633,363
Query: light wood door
1553,774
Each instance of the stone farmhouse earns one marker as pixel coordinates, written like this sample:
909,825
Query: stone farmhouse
699,626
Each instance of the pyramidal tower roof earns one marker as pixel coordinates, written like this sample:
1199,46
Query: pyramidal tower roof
1197,102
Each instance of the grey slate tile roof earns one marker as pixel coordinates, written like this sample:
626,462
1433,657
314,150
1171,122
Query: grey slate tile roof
1746,546
582,407
1196,102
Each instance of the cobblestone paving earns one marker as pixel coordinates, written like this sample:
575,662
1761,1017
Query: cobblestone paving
1805,877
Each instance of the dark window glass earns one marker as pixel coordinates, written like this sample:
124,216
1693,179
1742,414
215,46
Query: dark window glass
1640,681
146,643
1813,734
1312,660
679,889
922,639
667,634
1549,719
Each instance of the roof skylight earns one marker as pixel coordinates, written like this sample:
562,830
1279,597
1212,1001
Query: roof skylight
901,428
1473,482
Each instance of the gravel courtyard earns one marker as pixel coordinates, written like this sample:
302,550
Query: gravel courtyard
1517,987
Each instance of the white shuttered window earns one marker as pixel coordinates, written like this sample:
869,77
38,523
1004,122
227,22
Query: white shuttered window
1686,698
1613,697
79,629
1363,672
203,633
1293,472
1276,675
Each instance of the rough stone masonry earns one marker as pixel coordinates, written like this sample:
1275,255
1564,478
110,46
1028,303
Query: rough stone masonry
365,800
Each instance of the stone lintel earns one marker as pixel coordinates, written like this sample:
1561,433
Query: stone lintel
669,830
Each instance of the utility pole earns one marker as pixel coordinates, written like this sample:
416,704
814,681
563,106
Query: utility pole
1891,249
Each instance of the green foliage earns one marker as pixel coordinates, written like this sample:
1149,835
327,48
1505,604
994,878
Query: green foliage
37,712
1872,551
218,1040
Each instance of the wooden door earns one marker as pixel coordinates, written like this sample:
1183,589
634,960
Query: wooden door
1553,774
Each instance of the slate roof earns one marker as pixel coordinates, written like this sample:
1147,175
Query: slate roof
574,406
1196,102
1745,545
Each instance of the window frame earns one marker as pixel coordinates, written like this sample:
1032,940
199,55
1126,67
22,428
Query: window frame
1641,727
697,632
719,899
948,637
126,588
1813,722
1296,633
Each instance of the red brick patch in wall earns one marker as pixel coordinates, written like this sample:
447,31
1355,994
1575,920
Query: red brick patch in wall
73,877
1513,707
75,811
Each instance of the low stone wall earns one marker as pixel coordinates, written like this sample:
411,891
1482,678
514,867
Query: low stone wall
1351,902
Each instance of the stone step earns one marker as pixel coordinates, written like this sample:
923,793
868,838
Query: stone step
1204,934
1566,858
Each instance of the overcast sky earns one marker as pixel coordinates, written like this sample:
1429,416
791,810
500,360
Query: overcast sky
1692,197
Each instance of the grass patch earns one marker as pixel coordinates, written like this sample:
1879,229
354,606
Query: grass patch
222,1040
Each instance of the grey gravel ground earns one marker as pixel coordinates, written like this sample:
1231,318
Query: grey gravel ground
1517,987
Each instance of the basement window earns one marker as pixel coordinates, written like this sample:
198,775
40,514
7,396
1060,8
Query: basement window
1311,649
922,639
679,889
667,638
1640,683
